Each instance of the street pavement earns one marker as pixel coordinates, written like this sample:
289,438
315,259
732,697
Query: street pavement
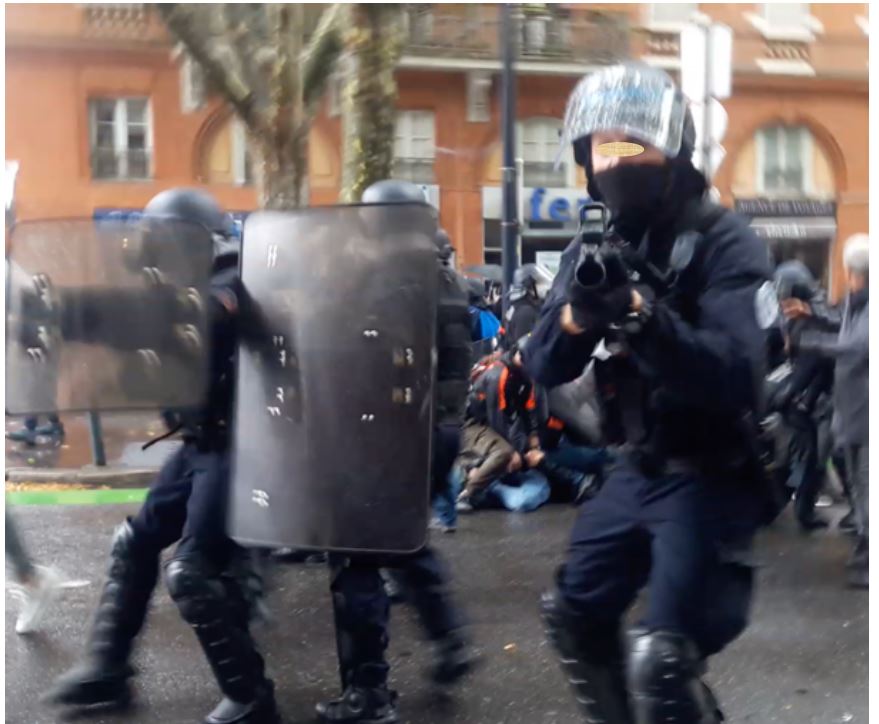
802,661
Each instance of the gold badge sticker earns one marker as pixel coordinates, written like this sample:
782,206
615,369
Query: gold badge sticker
620,148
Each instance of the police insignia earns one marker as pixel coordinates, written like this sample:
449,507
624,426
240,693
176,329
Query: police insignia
766,305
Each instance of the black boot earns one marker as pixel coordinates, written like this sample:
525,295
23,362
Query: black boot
664,680
102,678
217,610
454,659
395,590
847,524
261,710
361,705
591,659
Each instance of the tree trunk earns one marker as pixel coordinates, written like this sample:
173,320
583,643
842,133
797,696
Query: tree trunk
280,169
374,43
256,56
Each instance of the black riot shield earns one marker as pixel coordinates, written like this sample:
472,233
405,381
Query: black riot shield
335,383
106,315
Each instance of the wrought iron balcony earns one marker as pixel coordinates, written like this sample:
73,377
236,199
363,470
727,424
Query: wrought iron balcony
551,34
118,20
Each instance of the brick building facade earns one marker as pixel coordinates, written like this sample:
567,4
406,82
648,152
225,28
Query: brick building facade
95,116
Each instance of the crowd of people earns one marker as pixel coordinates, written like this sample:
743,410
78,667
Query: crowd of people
638,386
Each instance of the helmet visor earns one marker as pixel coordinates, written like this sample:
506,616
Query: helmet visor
636,100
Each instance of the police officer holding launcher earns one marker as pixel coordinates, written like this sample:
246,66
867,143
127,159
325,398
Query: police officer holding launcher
187,503
680,287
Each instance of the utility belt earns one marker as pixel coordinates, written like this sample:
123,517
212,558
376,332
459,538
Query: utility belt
728,463
655,465
210,436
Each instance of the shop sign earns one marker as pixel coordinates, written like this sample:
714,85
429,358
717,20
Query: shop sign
540,203
785,207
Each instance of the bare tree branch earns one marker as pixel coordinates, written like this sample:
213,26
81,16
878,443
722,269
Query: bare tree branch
186,22
322,53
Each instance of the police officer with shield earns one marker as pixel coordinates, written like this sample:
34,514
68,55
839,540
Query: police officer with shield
186,503
360,601
679,288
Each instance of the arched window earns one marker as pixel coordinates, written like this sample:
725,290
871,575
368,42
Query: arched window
784,160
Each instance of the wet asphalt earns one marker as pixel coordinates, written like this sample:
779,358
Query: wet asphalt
804,659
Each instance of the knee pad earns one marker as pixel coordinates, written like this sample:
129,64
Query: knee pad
197,593
661,660
131,560
663,680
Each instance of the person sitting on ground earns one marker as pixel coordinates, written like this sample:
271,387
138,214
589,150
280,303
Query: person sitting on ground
499,397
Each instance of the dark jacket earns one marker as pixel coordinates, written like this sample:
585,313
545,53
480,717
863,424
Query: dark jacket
701,355
505,400
847,342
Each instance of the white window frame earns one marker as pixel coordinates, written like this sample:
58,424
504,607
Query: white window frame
668,26
806,158
239,152
120,136
570,179
804,32
404,139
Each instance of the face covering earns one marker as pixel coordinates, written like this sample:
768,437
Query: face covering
635,195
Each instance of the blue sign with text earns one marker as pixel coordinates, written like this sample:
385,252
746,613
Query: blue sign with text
557,209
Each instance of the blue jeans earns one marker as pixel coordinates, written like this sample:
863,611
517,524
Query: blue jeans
517,492
444,499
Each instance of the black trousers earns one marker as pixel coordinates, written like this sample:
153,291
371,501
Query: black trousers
187,502
682,536
362,608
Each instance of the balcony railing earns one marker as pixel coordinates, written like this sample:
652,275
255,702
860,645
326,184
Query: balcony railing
118,20
472,33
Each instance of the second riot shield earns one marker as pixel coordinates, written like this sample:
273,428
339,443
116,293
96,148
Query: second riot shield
106,315
334,407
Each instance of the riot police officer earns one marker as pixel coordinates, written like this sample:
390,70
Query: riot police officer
530,285
810,381
186,503
360,601
680,287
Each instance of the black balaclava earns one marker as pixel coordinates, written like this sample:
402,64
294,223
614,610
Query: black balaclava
642,196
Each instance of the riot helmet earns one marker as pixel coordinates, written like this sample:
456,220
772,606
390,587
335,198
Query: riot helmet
393,191
636,99
635,104
530,279
196,207
444,245
793,279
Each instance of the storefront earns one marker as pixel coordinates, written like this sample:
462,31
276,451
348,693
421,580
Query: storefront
549,223
803,229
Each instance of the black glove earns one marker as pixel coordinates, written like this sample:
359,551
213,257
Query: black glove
599,292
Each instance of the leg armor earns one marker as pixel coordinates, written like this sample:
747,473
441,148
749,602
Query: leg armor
217,611
591,659
664,670
102,678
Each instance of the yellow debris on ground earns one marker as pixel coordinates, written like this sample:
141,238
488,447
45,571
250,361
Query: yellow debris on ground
26,486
